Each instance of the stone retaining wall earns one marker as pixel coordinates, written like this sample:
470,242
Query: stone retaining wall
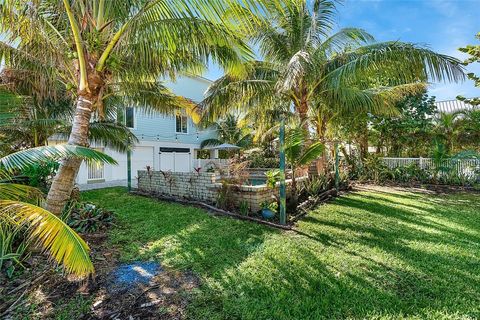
204,187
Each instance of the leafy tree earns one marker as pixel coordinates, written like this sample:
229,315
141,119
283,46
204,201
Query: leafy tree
62,243
474,52
409,132
110,51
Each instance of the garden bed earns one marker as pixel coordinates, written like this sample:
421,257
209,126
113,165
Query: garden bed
302,209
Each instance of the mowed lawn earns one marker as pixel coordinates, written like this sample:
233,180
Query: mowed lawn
380,254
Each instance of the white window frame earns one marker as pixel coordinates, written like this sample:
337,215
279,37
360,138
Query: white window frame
184,116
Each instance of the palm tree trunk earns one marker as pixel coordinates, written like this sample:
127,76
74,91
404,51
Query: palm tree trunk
64,180
322,162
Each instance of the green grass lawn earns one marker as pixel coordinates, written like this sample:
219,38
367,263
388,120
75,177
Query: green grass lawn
377,255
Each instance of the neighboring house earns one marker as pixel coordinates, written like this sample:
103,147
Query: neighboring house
451,106
166,142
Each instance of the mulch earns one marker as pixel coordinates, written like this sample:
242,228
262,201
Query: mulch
165,296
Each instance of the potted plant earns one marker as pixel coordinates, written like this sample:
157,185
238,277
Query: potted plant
269,209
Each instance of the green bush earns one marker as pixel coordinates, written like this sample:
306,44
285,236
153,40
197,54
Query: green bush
316,185
86,217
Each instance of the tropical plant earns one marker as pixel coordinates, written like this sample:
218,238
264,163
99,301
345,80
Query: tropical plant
87,217
316,184
230,130
17,210
273,176
447,129
244,208
307,66
297,155
406,134
89,46
474,52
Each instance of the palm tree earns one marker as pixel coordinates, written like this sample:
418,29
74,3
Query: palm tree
106,51
304,64
230,130
447,128
297,155
62,243
29,121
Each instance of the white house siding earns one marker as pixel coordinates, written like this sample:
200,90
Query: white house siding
154,131
146,153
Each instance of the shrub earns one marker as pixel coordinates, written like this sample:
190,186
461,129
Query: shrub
315,185
225,196
13,245
244,208
86,218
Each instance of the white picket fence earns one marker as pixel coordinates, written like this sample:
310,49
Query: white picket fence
465,167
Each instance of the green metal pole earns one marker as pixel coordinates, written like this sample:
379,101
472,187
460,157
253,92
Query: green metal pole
283,191
129,170
337,170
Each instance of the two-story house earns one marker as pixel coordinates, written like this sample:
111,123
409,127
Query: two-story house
166,142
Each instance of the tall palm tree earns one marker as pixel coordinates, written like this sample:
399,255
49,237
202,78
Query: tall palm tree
99,49
62,243
304,64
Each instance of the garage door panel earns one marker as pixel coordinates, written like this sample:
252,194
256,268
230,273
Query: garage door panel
182,162
175,161
167,161
141,158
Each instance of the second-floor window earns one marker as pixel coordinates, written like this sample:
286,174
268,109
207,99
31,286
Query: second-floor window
130,118
181,123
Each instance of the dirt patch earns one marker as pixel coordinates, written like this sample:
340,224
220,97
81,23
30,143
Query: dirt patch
138,290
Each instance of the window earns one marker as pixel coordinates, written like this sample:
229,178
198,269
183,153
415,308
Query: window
181,124
130,118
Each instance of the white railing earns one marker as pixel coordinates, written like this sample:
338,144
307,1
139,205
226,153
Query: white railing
205,163
467,167
95,170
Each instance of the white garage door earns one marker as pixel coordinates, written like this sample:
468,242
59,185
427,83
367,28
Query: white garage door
175,159
141,158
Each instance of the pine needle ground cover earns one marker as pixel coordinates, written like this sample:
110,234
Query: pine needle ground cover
375,254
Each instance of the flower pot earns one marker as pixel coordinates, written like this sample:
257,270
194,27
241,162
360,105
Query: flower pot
267,213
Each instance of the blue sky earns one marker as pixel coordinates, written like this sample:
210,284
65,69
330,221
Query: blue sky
442,25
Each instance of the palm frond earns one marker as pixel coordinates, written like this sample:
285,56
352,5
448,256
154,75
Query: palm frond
62,243
311,153
152,97
24,158
17,192
210,143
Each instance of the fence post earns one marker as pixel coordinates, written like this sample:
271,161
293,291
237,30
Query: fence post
283,193
421,163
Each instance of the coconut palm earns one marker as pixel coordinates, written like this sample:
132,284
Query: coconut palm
106,51
61,243
308,66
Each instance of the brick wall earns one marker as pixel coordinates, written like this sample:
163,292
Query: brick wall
203,187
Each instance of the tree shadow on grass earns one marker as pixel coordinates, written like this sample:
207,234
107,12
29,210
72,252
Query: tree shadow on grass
360,258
